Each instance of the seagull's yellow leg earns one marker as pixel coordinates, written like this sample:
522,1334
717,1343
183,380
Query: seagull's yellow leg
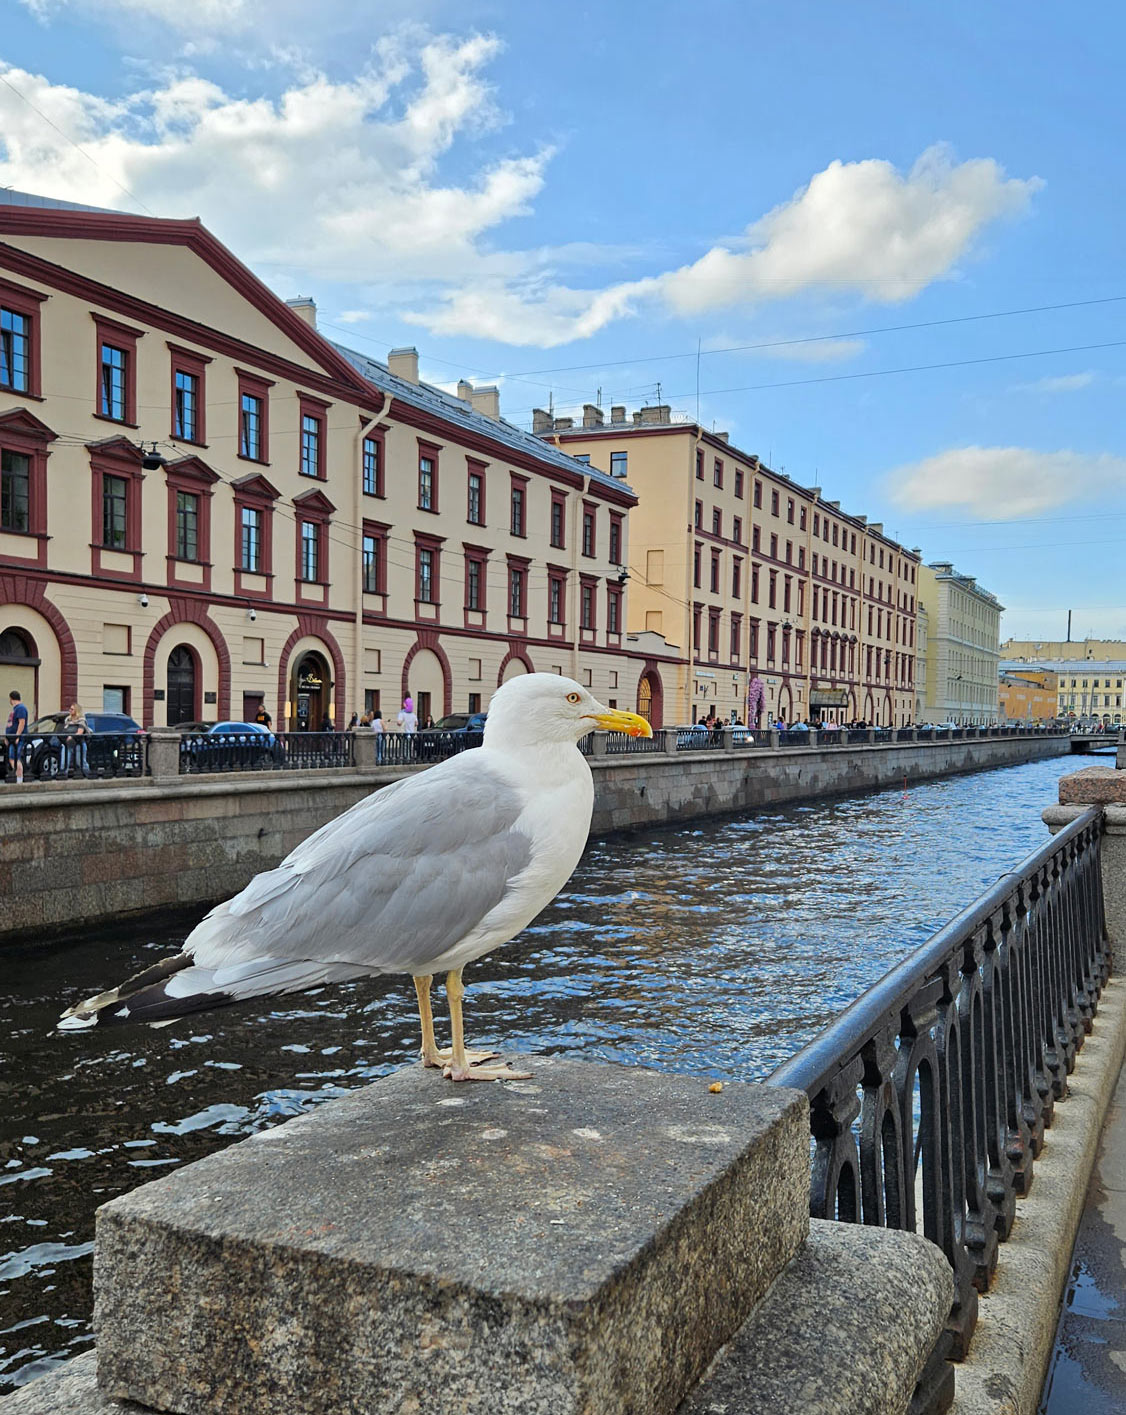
431,1053
461,1067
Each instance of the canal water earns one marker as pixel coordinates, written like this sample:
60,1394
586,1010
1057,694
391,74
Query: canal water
716,949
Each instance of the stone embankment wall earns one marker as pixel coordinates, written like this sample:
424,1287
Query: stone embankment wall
82,853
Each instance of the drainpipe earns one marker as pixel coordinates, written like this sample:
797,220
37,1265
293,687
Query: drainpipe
358,581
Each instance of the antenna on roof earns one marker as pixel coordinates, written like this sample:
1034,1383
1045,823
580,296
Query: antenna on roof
658,392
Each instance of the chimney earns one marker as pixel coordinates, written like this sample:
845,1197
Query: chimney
541,421
592,415
637,419
836,505
562,424
815,493
658,413
487,401
617,413
306,307
465,390
724,436
403,363
877,528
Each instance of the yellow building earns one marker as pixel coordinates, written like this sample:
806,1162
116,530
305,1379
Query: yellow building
1069,650
207,506
1089,690
963,646
1027,696
757,584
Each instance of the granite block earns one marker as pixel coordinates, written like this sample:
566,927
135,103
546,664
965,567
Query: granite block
70,1389
1093,786
582,1242
845,1330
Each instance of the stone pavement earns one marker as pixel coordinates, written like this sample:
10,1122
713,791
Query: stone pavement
1087,1372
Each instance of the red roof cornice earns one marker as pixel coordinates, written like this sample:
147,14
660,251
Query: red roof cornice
339,378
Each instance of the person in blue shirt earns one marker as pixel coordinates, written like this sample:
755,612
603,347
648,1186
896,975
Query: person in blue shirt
17,727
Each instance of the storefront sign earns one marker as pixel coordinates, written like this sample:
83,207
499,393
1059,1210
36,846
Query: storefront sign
309,683
828,697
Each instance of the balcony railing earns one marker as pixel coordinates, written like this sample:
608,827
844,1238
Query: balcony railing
930,1095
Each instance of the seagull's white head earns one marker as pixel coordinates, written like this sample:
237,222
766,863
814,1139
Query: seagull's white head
542,708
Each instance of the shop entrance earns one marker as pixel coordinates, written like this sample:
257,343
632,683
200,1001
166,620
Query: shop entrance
310,694
181,694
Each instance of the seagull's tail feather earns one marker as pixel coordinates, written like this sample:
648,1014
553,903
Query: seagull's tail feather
178,986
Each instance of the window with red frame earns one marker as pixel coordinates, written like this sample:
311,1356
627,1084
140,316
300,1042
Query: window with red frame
517,592
373,466
555,599
615,539
558,530
613,610
588,531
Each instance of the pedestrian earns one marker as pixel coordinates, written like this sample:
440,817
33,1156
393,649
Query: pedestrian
428,725
326,723
407,720
17,727
263,716
353,720
76,730
378,728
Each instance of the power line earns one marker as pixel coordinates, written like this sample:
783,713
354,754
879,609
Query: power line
92,160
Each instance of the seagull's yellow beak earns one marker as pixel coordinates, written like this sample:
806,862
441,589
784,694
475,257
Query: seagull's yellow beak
612,720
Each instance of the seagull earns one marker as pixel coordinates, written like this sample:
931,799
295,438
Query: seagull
420,877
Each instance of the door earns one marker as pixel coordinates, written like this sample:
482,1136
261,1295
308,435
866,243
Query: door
181,696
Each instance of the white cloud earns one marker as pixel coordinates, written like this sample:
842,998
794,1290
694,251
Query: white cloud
335,179
995,482
859,226
200,15
1065,383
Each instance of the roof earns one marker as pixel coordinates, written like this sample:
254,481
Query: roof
438,403
1093,667
10,197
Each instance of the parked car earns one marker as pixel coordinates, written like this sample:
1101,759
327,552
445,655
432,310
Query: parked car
114,746
452,733
192,726
227,745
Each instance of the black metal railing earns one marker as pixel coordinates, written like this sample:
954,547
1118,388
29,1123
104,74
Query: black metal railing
264,751
930,1095
63,756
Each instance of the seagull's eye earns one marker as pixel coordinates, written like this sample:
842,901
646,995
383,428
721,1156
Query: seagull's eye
574,697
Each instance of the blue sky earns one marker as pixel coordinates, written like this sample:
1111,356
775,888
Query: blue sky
569,200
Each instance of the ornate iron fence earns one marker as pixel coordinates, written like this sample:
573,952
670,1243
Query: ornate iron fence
263,751
930,1095
95,755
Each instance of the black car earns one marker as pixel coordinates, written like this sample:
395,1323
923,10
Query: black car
450,734
114,746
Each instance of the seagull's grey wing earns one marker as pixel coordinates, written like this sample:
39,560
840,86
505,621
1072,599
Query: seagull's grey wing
399,879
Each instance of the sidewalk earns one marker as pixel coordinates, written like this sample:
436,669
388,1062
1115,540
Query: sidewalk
1087,1372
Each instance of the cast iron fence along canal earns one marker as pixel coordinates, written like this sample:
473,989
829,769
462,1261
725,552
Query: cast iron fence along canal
939,1082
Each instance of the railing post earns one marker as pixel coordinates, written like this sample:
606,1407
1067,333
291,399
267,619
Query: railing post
773,737
164,753
363,748
814,736
728,740
914,734
598,744
871,734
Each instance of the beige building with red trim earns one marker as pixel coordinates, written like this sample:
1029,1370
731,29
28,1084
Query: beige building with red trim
763,586
207,505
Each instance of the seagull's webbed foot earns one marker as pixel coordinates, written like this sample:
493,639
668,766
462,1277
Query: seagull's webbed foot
443,1057
483,1073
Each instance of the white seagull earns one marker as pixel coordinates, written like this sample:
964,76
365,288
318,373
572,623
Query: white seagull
420,877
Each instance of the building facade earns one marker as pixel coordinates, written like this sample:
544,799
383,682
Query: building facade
963,646
1064,650
1088,690
774,601
1027,696
207,506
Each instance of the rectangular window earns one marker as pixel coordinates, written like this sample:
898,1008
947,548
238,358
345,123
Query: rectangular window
588,532
310,551
15,490
517,510
250,439
618,463
426,489
373,467
187,526
736,634
516,584
475,504
426,575
558,521
790,509
736,578
115,368
717,473
310,445
371,564
555,600
801,520
752,647
251,540
613,614
737,529
185,412
615,539
114,503
586,619
15,350
698,516
696,567
714,583
739,483
754,583
473,584
758,494
699,464
774,503
770,637
772,595
774,547
713,631
717,521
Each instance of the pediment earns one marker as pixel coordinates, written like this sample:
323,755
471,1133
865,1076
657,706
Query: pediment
19,422
315,502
